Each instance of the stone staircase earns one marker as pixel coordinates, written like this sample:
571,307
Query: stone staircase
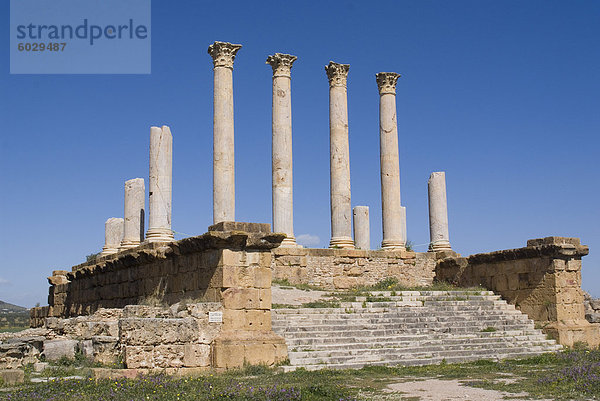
408,328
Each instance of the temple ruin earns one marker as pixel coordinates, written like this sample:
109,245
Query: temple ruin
217,286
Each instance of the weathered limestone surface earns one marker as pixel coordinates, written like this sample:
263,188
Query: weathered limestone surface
543,280
592,308
362,234
10,377
135,199
161,176
394,225
113,234
226,266
438,213
341,209
346,268
223,55
283,201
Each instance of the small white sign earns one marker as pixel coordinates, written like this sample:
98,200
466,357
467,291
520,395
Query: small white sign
215,317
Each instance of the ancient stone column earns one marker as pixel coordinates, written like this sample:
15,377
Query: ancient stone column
438,213
135,196
362,235
223,55
394,225
113,234
161,175
283,201
341,210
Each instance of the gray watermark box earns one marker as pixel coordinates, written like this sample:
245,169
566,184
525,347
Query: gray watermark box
80,37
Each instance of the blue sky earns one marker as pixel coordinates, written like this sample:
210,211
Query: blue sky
502,95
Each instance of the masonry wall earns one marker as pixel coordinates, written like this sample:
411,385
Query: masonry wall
542,279
231,268
344,268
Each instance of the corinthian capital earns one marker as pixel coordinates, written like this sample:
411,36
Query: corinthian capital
337,74
223,53
282,64
386,82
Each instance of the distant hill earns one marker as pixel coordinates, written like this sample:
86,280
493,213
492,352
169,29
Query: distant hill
5,307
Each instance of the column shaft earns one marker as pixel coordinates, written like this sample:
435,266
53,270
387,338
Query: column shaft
341,209
282,182
223,55
438,213
362,235
160,181
135,195
394,225
113,234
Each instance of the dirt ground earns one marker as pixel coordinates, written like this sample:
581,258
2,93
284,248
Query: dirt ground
442,390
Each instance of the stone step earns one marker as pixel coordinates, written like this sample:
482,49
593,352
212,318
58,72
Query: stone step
306,341
423,340
346,322
379,330
415,350
411,362
408,328
357,308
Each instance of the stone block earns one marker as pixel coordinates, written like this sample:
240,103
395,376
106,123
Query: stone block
240,298
248,320
151,331
105,349
12,376
169,356
240,226
196,355
553,241
264,299
40,366
57,349
136,357
237,349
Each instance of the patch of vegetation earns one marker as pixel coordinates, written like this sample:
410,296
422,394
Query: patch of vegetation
573,374
322,304
284,306
299,286
489,329
391,284
91,258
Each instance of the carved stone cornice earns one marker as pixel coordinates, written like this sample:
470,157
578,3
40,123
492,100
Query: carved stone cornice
223,53
337,74
386,82
282,64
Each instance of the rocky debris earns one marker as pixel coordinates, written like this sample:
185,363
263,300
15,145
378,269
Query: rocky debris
12,376
592,308
57,349
177,336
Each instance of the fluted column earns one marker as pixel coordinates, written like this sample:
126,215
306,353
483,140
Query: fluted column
113,234
161,176
438,213
362,233
394,217
341,210
223,55
283,200
135,196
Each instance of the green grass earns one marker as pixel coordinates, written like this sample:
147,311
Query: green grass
489,329
304,287
570,375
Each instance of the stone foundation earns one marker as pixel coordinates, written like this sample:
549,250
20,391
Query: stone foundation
346,268
226,266
542,279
